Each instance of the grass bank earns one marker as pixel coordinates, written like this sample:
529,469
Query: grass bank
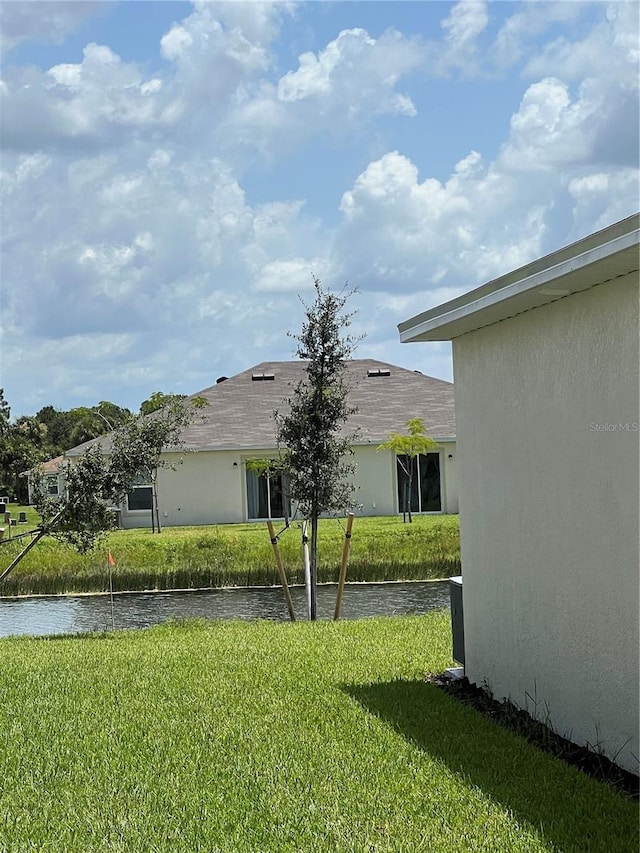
237,555
235,738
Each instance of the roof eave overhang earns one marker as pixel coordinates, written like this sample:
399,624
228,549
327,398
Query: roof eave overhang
598,264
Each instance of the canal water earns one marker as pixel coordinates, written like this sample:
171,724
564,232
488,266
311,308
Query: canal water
77,614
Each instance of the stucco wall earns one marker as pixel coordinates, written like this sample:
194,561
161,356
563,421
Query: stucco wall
206,488
549,512
209,487
376,480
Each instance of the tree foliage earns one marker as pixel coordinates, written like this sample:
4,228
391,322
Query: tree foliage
315,446
100,478
137,447
158,400
30,440
85,512
407,448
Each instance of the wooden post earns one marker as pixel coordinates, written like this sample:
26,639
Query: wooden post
343,567
283,577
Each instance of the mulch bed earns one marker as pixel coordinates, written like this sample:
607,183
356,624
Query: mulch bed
517,720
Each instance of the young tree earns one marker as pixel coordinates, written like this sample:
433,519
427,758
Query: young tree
137,447
407,448
100,478
311,435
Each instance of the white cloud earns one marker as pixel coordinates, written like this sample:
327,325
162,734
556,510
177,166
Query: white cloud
519,34
551,129
293,275
464,23
140,254
426,234
95,102
609,51
355,71
39,20
351,81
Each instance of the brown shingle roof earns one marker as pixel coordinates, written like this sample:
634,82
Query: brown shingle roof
240,410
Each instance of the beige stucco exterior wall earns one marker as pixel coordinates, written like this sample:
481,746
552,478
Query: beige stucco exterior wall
209,487
205,488
376,480
549,512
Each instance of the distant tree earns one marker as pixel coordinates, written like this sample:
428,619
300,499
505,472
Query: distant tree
58,425
17,455
407,448
5,413
76,426
311,435
21,446
111,415
158,400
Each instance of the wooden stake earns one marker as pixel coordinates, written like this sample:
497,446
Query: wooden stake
343,567
283,577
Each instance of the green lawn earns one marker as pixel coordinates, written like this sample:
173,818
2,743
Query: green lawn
274,737
236,555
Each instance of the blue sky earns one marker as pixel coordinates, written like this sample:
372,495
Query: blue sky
172,174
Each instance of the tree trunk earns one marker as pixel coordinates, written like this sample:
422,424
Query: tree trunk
313,565
412,463
155,510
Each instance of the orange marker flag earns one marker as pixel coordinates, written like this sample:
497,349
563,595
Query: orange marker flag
112,562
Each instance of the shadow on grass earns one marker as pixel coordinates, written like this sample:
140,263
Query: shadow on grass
569,809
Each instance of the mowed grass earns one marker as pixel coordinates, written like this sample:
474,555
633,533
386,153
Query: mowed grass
226,737
382,548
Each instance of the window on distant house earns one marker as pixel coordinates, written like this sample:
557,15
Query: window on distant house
141,496
52,485
425,487
267,495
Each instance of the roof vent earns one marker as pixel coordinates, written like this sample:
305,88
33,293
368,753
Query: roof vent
262,377
221,379
379,372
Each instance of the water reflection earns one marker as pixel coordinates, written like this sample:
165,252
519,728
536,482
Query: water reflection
73,614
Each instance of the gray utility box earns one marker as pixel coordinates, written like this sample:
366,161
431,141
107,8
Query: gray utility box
457,621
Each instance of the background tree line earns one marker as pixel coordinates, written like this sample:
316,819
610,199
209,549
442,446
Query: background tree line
29,440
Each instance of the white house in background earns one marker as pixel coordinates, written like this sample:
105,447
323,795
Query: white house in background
212,484
546,392
52,472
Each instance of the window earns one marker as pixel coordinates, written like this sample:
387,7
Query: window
52,485
425,487
268,495
141,496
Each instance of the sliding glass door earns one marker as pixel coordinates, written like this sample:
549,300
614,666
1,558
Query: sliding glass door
425,494
267,496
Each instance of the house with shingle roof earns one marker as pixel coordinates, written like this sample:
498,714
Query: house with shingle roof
52,471
212,484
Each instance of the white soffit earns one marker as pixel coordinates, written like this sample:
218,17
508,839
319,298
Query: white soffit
604,256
